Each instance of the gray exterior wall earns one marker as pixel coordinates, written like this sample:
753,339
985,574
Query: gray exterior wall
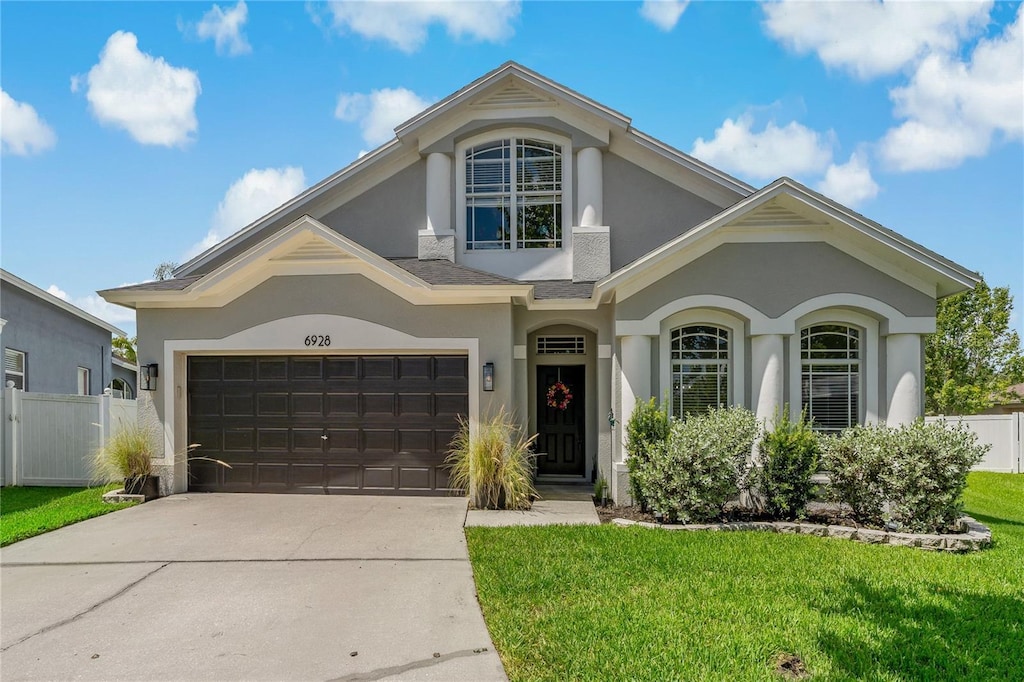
645,211
55,342
774,277
386,218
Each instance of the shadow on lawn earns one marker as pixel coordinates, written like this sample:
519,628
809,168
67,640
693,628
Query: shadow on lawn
19,499
927,632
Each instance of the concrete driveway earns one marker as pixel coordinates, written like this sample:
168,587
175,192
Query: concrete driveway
273,587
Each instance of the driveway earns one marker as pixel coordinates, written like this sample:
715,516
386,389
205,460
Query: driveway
274,587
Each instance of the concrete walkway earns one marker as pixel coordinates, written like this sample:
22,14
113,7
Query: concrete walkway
255,587
559,504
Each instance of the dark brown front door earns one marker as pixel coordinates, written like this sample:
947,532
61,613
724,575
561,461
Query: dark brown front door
324,424
560,450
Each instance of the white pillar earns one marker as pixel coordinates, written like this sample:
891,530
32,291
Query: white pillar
903,378
439,192
636,378
768,376
590,184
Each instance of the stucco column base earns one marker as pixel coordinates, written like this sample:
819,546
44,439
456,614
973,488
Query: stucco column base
591,253
436,245
620,484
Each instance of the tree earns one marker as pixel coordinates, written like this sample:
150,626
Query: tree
164,271
973,357
125,347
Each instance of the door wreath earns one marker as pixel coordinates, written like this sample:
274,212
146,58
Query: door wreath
559,396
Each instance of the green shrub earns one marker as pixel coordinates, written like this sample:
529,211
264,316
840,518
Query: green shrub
647,426
494,466
911,477
789,457
128,454
700,466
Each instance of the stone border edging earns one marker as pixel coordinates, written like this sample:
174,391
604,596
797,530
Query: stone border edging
974,536
117,496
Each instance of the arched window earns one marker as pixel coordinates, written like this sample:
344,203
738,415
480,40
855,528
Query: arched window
830,357
700,369
514,195
121,389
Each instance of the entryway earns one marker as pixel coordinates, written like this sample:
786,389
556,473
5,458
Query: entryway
561,420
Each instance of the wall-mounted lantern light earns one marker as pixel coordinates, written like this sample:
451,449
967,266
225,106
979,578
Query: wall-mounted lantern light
488,376
147,376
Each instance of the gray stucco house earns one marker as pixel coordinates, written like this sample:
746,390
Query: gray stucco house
51,346
515,243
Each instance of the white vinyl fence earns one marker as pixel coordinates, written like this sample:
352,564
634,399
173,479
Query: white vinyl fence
49,439
1003,432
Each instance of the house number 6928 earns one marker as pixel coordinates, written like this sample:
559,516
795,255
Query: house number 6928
318,340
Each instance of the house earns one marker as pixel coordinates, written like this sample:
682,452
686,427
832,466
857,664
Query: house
1011,406
51,346
513,244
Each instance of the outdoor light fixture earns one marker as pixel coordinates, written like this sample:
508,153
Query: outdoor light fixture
611,418
148,376
488,376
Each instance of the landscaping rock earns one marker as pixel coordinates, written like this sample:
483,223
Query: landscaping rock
813,529
845,532
872,536
904,540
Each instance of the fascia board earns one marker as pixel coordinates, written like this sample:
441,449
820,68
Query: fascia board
46,296
305,197
691,162
496,77
432,134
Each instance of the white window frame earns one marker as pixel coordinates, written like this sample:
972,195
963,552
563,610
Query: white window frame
852,362
869,350
125,390
24,367
83,386
711,318
514,134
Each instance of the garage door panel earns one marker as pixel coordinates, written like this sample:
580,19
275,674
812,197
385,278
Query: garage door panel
325,423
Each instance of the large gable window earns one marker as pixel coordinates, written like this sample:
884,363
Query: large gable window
514,195
700,369
830,356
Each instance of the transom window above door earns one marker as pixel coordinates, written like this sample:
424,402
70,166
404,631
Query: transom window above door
513,196
700,369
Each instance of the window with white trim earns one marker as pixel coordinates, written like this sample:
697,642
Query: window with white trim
514,195
700,369
121,389
830,357
83,381
14,367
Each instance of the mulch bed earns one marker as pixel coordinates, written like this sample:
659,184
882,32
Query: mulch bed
817,512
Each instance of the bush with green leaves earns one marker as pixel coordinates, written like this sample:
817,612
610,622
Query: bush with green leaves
700,466
494,464
911,477
789,457
647,426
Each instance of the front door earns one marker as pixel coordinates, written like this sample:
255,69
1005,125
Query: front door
560,420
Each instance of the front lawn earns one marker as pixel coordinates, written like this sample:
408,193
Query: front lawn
25,512
609,603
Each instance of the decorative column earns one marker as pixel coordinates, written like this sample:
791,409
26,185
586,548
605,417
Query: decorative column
635,385
903,378
767,375
437,241
590,239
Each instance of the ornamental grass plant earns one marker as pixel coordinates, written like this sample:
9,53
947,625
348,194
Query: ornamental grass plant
127,454
493,465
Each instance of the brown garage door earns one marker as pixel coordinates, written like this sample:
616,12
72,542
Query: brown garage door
330,424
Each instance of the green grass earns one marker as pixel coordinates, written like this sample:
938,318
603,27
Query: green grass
25,512
609,603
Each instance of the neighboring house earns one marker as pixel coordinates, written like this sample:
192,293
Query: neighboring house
1011,406
49,345
125,376
513,239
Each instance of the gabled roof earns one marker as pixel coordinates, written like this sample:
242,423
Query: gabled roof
46,296
949,277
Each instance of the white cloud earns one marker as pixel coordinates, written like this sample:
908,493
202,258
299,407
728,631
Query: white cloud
849,183
405,24
94,305
150,99
379,111
790,150
252,196
225,28
873,38
954,108
22,132
663,13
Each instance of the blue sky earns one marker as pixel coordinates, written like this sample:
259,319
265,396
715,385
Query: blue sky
136,133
